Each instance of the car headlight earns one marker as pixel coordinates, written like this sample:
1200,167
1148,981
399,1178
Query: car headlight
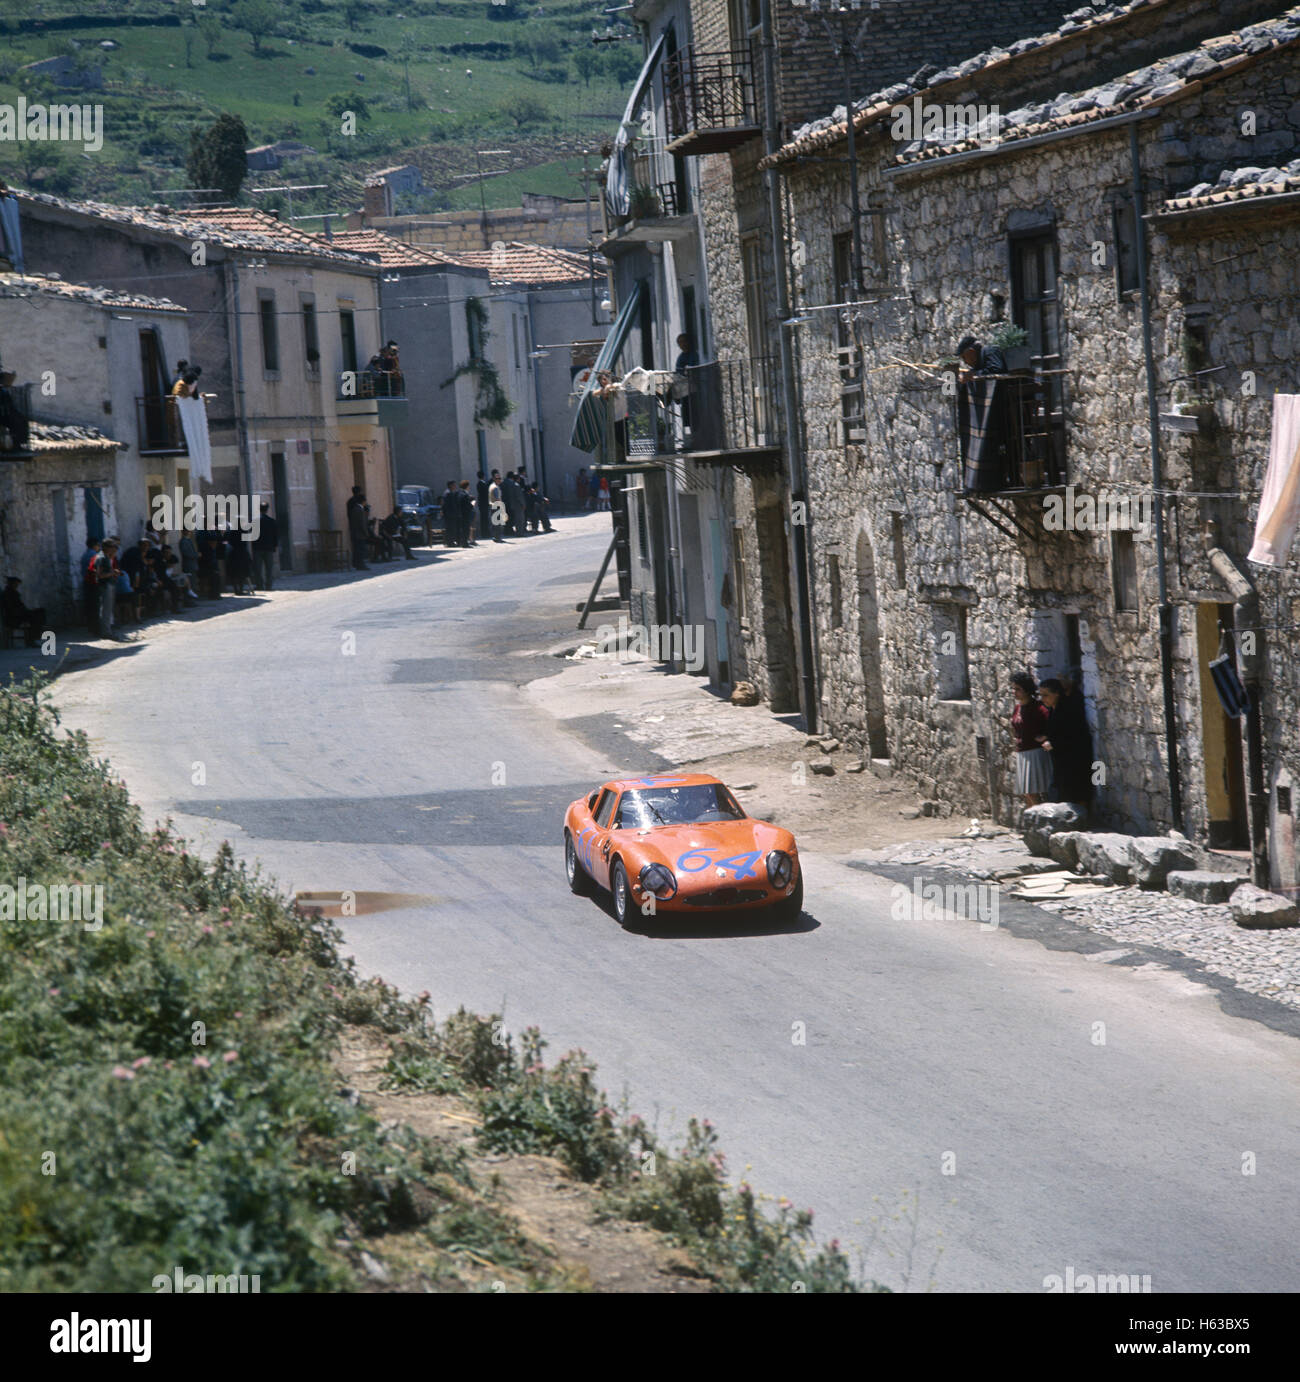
658,879
780,868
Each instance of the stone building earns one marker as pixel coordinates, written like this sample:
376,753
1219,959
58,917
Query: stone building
93,358
284,324
1134,205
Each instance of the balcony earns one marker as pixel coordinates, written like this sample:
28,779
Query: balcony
710,100
730,413
658,205
377,397
158,426
15,420
1011,441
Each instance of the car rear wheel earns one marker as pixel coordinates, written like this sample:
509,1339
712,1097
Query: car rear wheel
579,879
790,908
618,886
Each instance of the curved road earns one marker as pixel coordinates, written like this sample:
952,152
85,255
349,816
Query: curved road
373,736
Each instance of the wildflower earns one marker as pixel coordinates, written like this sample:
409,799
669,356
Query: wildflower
207,930
203,1062
238,1014
120,1072
54,993
141,1063
151,934
230,1057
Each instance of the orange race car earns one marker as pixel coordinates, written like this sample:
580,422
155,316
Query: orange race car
682,839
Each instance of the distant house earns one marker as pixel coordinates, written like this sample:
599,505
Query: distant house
403,178
267,157
65,70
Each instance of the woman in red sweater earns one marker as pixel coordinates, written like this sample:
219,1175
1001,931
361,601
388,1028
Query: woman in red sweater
1029,728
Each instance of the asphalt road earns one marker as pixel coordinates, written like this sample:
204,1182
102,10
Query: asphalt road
373,737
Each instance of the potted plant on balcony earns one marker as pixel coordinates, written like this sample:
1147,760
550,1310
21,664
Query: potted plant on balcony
644,203
1013,342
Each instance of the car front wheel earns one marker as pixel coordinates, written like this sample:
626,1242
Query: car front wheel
579,881
790,908
618,886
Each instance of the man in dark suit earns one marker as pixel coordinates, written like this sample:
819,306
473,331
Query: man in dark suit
264,548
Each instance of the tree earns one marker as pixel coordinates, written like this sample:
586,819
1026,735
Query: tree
343,101
217,157
257,18
209,26
524,110
353,13
586,63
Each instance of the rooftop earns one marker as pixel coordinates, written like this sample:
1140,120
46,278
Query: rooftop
48,436
14,285
391,252
233,227
1237,185
534,265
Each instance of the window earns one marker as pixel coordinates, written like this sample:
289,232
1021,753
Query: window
481,438
1124,571
606,809
755,308
738,566
310,336
846,347
1124,232
900,556
348,336
952,663
837,592
642,525
270,338
1035,305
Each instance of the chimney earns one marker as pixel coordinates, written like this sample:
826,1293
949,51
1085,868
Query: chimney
378,199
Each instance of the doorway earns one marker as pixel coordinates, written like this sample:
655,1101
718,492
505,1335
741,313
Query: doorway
280,484
873,686
1225,773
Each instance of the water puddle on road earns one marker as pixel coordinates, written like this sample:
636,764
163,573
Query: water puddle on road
354,904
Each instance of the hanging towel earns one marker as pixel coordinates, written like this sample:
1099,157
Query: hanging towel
11,230
1279,506
194,422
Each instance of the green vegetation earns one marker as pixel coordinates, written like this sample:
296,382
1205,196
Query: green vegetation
168,1097
491,403
217,156
428,88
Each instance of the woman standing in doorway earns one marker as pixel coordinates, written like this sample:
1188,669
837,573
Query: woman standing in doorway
1069,741
1029,728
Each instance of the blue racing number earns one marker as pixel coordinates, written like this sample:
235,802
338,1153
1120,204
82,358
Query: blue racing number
739,864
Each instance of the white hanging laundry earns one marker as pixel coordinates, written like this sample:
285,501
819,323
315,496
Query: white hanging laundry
1279,506
194,423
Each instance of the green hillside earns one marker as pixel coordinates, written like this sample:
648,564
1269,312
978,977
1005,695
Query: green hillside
428,83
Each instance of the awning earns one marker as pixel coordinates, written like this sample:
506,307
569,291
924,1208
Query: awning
617,192
589,425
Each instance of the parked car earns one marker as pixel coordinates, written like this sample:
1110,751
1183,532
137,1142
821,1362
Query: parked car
682,839
421,512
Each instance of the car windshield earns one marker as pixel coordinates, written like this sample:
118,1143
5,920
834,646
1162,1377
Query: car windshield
408,496
706,801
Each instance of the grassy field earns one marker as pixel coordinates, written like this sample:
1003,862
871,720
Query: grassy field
162,81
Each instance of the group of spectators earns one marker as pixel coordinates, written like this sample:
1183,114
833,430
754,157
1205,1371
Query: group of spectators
385,370
593,493
375,539
513,507
121,585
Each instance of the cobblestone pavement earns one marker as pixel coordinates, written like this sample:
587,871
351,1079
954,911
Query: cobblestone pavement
1266,963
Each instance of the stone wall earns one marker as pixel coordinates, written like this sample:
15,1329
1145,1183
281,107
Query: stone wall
893,503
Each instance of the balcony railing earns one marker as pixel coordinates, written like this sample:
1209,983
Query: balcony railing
372,384
1011,433
158,426
732,405
710,99
15,419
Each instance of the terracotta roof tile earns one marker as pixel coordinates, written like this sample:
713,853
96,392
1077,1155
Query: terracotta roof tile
26,285
49,436
391,252
1237,185
535,265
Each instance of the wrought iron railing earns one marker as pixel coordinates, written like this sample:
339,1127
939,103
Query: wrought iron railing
15,419
708,91
655,190
1011,433
732,405
372,384
158,426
